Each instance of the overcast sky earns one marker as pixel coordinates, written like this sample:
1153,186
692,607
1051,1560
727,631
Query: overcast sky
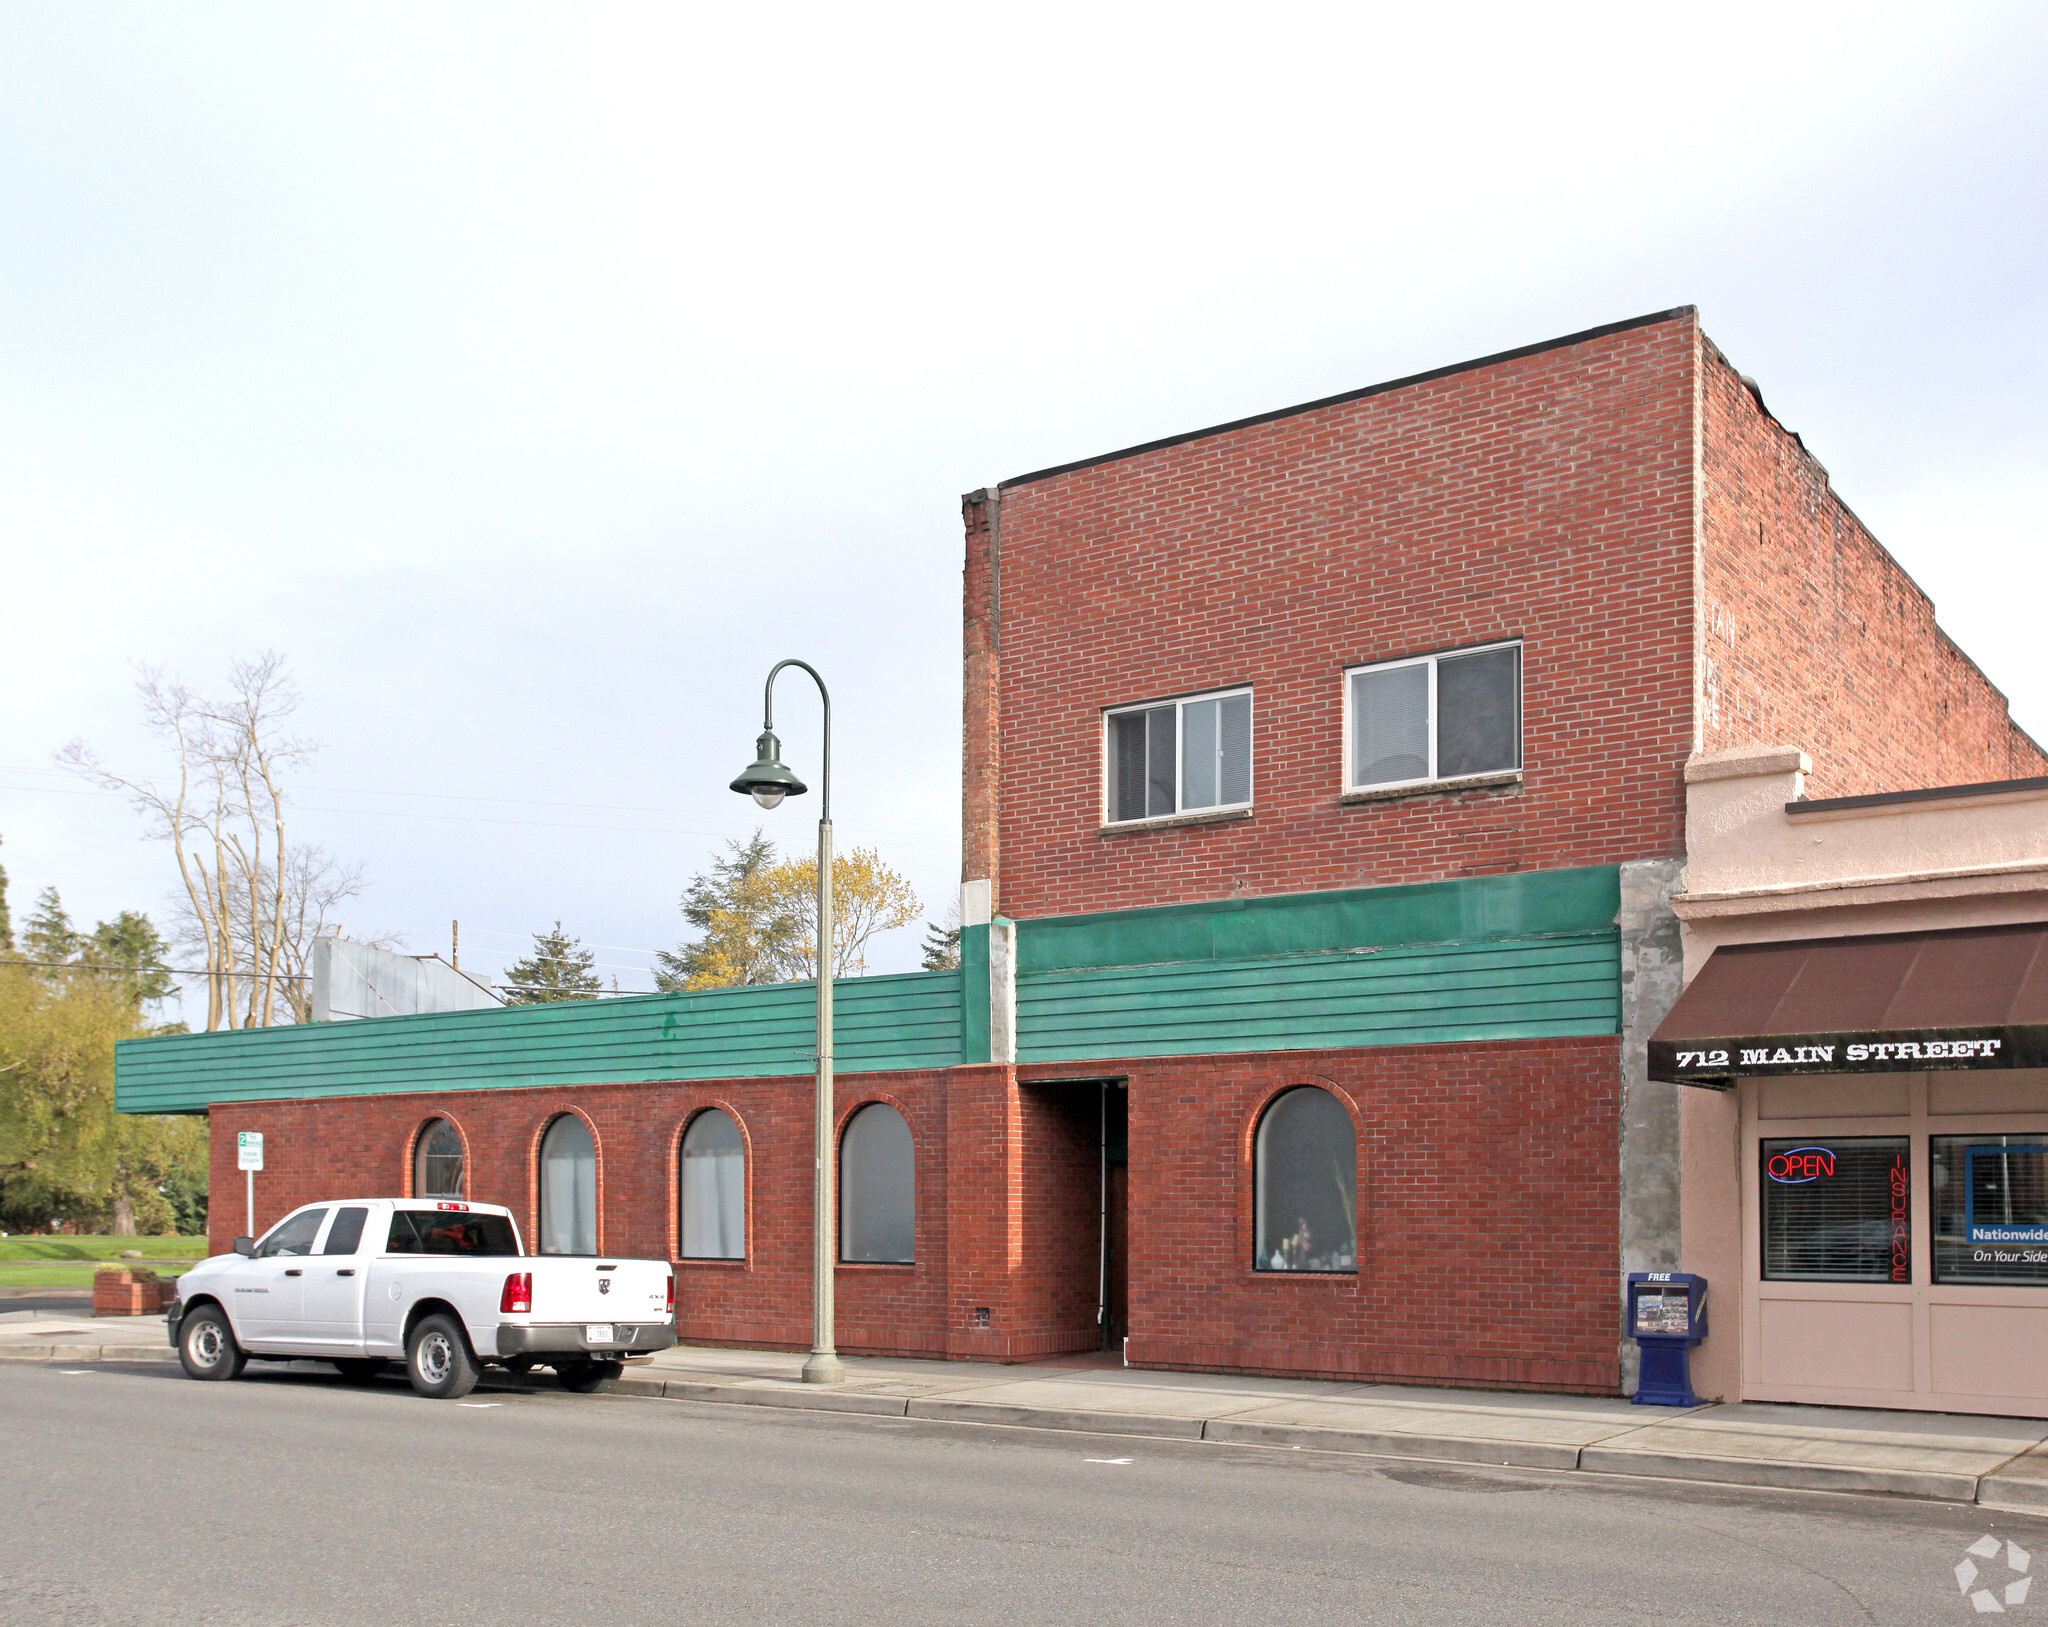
535,376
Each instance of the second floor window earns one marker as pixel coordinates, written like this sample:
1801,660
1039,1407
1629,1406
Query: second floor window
1438,717
1180,756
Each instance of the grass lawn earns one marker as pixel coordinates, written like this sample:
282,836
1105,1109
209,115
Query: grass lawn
102,1248
69,1262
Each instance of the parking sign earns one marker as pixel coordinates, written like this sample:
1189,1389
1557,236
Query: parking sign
249,1149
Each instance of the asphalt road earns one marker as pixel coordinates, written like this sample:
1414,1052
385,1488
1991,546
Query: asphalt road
134,1495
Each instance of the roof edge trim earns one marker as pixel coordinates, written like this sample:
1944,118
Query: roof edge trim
1935,793
1601,332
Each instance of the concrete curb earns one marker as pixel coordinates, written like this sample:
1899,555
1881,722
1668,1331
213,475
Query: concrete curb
761,1395
1084,1423
1929,1485
74,1353
2006,1493
1370,1443
2013,1494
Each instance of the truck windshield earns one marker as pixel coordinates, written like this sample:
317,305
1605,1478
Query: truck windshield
428,1231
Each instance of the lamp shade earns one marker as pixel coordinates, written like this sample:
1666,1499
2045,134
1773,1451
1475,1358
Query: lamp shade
766,780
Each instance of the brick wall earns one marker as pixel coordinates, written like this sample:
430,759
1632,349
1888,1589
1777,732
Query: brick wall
1546,497
1487,1204
1487,1234
973,1212
1811,633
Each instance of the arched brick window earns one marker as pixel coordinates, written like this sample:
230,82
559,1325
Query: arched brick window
437,1161
877,1188
568,1188
712,1188
1305,1185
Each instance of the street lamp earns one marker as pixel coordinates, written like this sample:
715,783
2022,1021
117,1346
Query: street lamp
767,781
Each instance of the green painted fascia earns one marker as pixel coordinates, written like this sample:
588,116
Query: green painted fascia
909,1020
974,1032
1227,960
1528,904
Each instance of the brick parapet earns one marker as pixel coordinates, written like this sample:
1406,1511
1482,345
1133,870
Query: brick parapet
1546,497
1812,634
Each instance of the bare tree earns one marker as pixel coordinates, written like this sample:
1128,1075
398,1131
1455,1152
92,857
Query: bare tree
314,888
252,903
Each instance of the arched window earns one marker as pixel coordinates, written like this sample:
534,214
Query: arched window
1305,1190
714,1189
437,1161
877,1188
568,1188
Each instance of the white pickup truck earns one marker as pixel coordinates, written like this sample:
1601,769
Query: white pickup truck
445,1287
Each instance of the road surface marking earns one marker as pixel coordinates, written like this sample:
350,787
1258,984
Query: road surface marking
1108,1460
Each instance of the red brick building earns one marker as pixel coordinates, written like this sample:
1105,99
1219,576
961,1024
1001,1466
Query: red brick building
1323,797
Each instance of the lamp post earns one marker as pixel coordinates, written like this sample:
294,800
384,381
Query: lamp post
767,781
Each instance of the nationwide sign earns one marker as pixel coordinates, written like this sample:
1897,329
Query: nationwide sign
1720,1062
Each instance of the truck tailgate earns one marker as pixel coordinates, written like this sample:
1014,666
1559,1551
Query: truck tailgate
579,1289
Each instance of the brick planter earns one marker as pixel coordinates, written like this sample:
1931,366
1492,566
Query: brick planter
130,1291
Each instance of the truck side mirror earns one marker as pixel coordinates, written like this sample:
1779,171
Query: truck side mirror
246,1247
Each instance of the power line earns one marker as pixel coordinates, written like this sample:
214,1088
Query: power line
174,971
893,834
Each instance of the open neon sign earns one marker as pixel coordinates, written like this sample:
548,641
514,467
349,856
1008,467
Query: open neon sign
1801,1164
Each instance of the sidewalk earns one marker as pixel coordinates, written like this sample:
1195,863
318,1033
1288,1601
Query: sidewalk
2000,1463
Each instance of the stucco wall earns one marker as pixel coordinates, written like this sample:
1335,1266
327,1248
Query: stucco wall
1758,873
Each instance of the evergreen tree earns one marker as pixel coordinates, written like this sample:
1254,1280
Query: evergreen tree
558,969
739,944
126,953
131,942
941,948
6,920
49,936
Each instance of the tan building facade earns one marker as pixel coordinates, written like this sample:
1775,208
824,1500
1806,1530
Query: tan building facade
1875,1232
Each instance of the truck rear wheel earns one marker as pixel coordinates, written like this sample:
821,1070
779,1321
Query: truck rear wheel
587,1377
437,1359
207,1347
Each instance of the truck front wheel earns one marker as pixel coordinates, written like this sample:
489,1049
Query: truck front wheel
206,1345
437,1359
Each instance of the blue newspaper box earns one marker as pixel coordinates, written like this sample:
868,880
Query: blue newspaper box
1667,1316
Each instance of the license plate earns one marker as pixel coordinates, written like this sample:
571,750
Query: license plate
598,1333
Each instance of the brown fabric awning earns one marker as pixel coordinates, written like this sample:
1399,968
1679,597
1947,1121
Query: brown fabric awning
1899,1002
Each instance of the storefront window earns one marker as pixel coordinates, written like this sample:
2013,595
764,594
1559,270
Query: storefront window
1837,1209
1990,1208
1305,1185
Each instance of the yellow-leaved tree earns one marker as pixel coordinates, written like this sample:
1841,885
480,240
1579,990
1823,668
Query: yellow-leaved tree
759,917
